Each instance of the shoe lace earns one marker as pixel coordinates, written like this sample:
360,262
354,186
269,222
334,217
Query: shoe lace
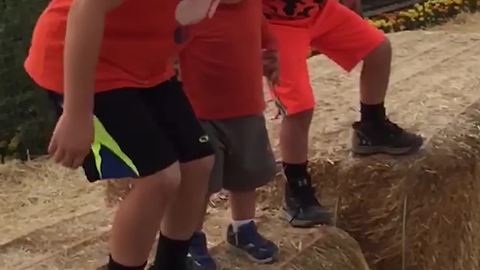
253,236
306,197
199,244
392,127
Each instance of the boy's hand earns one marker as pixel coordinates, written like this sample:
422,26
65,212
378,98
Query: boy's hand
354,5
193,11
71,140
271,67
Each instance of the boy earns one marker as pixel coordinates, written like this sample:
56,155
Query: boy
221,69
123,114
343,36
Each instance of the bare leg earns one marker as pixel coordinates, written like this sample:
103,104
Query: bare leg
202,218
375,74
243,205
375,133
294,137
183,214
138,217
301,206
188,207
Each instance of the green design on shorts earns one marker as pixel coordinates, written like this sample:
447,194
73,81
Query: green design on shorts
103,138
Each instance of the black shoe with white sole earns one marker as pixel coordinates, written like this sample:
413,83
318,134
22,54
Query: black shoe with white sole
301,207
384,138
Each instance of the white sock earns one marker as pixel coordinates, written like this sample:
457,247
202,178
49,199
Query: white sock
238,223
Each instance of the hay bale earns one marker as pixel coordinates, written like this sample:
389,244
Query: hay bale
420,212
415,212
333,250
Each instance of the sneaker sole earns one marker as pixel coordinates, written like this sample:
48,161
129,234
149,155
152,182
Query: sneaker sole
241,253
297,223
372,150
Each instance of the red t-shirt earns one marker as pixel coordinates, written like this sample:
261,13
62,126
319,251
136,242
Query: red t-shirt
137,47
221,67
291,9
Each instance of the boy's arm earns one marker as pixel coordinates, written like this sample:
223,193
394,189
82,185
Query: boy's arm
73,134
270,54
354,5
85,26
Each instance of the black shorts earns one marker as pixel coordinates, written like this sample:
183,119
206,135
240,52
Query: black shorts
139,132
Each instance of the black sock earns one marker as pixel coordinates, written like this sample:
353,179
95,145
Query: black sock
113,265
295,173
374,113
171,254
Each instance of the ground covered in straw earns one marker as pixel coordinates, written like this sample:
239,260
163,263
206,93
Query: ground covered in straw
50,218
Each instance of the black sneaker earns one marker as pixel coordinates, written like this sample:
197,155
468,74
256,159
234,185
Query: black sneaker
302,208
386,138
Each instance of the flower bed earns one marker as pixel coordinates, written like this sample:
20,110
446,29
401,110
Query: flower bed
422,15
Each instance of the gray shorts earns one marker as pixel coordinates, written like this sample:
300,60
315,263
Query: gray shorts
243,156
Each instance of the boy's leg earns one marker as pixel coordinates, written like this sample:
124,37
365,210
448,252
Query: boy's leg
199,247
249,164
129,143
195,154
134,231
347,39
294,95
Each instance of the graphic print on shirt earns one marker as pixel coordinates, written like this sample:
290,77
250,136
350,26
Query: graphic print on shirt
291,9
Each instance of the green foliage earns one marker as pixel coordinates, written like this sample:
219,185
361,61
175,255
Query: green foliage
25,117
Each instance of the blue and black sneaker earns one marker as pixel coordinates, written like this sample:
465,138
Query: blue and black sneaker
249,242
199,257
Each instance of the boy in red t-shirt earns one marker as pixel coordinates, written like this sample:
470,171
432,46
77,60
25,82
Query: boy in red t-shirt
339,33
122,114
221,70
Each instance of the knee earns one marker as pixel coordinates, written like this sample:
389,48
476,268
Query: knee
302,118
163,183
381,54
204,167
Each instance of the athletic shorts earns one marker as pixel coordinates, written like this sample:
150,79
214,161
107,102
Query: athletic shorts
337,32
139,132
243,157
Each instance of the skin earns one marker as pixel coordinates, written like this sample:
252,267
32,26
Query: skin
73,134
374,81
243,203
138,217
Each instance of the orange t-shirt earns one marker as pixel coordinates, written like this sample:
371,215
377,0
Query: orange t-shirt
221,67
137,47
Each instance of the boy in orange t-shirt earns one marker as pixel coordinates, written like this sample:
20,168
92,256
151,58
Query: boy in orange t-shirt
221,70
343,36
122,114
